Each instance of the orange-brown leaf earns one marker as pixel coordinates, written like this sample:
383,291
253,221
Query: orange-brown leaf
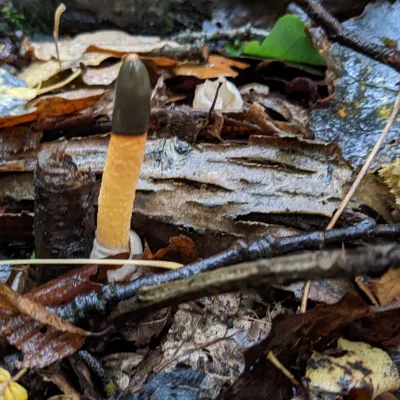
387,287
36,311
217,66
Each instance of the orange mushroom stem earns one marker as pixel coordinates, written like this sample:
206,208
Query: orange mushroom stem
130,122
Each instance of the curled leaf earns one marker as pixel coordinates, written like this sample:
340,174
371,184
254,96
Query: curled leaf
228,98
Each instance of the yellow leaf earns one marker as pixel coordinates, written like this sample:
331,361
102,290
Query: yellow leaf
391,174
357,366
10,390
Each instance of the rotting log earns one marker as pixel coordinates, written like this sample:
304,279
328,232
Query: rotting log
218,193
64,210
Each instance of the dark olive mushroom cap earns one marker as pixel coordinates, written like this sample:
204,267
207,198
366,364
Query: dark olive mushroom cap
131,112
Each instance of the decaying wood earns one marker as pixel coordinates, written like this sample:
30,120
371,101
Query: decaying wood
218,193
64,210
372,260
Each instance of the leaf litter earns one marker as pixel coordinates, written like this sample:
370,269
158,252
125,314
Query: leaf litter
209,178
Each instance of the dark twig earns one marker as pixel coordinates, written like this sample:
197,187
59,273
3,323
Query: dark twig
337,33
214,101
264,247
371,260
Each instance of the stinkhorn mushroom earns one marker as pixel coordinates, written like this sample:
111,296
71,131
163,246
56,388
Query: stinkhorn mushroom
130,122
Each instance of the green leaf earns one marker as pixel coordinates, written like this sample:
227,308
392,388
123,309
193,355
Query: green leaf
287,41
233,51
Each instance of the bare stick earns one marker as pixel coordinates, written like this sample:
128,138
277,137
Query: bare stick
304,299
366,166
60,9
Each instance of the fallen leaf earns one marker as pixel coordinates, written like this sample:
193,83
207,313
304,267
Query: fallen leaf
10,390
363,90
54,105
40,344
40,71
360,367
113,42
62,383
391,175
143,331
217,66
287,41
180,248
22,304
387,288
14,94
102,75
292,340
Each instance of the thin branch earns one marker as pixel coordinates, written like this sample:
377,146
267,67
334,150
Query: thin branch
371,260
367,164
264,247
214,101
337,33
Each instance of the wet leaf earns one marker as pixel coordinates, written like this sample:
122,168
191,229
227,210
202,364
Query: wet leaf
364,91
356,366
102,75
18,139
53,105
287,41
217,66
14,94
180,248
40,71
12,301
40,344
110,41
10,390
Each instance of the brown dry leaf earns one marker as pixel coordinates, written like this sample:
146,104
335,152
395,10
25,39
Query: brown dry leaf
54,105
142,332
110,41
180,249
102,75
201,336
360,367
25,306
66,287
62,383
387,287
40,71
42,345
217,66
